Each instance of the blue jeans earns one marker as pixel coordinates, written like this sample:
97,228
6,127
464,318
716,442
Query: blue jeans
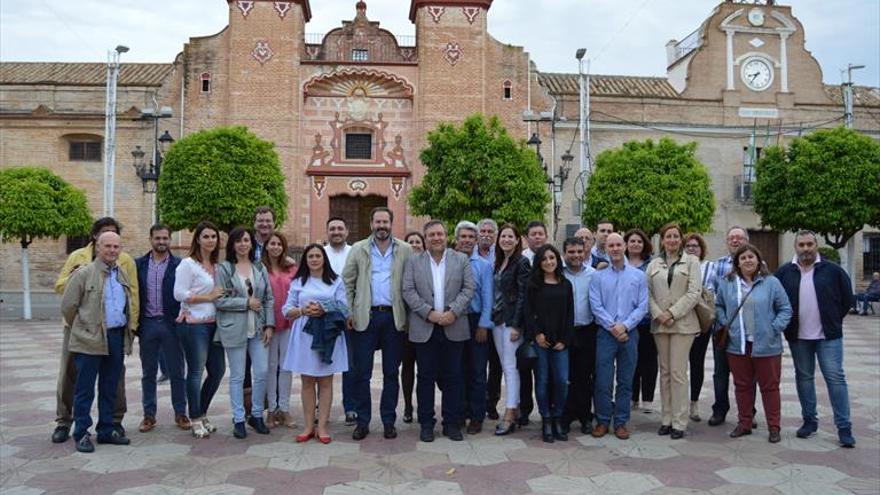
347,376
380,332
476,359
551,382
201,355
609,351
259,354
439,360
158,339
829,353
106,370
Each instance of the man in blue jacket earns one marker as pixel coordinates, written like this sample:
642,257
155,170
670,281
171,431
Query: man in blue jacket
158,333
821,295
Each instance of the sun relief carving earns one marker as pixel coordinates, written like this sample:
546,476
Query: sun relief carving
359,82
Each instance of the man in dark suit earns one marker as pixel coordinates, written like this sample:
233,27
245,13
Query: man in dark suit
158,333
438,285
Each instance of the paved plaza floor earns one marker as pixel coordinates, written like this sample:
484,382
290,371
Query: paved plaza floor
171,461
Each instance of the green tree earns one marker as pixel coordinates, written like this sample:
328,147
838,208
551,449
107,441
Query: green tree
222,175
646,184
477,170
827,181
36,203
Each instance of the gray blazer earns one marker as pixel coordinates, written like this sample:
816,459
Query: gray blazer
232,307
418,292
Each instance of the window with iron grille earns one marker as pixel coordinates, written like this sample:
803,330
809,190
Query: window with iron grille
360,55
870,255
86,151
750,157
358,146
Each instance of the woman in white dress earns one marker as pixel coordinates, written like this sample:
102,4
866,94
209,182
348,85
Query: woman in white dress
316,303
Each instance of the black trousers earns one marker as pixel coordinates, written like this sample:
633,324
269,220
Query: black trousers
697,360
645,376
581,376
526,386
408,374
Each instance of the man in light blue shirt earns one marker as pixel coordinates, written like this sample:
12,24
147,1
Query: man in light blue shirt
476,350
582,351
619,300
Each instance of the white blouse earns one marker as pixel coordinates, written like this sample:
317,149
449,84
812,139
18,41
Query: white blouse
192,279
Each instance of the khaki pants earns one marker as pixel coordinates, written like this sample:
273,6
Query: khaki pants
67,384
673,352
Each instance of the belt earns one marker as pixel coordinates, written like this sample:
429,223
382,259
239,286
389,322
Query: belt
382,309
116,329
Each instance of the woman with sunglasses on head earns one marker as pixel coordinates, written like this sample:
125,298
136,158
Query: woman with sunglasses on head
317,304
245,324
196,290
280,269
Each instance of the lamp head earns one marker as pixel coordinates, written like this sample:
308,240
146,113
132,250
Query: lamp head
121,49
579,54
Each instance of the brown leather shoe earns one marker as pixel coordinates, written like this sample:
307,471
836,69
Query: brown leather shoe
600,430
147,424
621,432
474,427
182,422
740,431
775,436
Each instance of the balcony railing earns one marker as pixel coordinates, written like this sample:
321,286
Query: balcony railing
742,189
371,48
684,47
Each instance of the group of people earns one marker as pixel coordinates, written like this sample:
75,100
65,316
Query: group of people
584,330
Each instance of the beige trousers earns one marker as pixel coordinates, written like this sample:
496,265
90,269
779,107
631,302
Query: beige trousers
673,351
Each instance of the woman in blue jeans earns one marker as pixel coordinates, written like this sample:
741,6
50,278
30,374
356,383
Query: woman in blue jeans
195,289
549,316
245,323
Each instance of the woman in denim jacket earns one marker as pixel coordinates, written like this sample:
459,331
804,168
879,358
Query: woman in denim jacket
754,346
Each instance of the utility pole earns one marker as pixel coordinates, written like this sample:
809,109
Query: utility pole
110,129
848,122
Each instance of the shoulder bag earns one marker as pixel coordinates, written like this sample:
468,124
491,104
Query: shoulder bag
722,334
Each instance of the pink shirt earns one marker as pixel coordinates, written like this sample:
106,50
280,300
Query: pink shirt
280,282
809,319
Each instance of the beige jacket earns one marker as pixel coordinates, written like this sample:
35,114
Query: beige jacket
83,306
356,276
679,298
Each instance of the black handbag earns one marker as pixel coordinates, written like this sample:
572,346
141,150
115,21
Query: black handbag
527,352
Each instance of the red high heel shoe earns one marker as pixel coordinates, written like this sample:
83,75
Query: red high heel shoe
305,437
324,440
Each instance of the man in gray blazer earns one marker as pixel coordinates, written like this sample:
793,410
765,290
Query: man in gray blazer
438,286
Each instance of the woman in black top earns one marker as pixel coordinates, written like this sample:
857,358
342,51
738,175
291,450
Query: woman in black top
511,278
549,319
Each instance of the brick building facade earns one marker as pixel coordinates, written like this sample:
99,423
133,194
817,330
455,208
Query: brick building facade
349,110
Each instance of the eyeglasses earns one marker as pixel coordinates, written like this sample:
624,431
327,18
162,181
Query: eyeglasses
250,287
692,245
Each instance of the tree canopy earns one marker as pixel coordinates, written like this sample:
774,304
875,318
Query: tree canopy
476,171
827,182
222,175
35,203
646,184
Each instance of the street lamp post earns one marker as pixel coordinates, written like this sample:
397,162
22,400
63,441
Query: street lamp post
149,173
110,129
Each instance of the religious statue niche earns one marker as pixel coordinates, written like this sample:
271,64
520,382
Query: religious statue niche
395,157
320,156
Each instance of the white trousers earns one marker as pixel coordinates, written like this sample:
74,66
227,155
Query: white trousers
507,355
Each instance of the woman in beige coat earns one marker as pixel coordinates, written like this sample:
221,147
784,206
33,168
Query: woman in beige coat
673,290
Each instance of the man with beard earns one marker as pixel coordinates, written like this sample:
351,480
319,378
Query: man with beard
536,237
337,253
264,225
598,253
821,295
159,309
373,274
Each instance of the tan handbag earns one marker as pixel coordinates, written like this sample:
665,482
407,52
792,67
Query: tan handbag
705,309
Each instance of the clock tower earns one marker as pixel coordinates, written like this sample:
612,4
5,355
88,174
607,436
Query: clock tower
753,53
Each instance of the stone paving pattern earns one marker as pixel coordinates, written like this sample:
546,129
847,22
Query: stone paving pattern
170,461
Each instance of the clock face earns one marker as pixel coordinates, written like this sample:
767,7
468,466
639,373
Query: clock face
756,17
757,73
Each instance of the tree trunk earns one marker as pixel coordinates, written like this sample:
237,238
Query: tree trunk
25,281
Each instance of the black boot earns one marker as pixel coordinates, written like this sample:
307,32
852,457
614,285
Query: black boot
547,430
559,433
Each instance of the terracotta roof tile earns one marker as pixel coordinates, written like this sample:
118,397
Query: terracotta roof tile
81,74
865,96
600,85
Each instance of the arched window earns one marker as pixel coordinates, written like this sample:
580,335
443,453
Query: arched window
205,79
507,90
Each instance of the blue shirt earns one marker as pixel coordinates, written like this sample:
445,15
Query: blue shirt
114,300
722,267
619,296
484,292
580,285
380,274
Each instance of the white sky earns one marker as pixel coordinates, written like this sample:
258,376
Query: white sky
621,36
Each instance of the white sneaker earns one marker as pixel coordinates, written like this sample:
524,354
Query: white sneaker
208,426
695,411
199,430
